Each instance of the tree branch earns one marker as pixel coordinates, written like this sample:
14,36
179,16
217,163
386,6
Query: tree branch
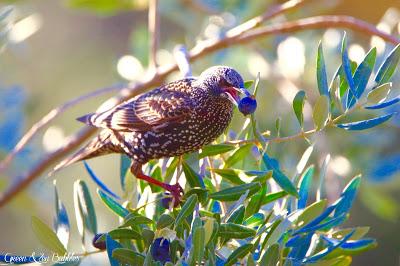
200,50
50,116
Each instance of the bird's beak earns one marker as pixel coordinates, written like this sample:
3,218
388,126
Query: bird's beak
233,94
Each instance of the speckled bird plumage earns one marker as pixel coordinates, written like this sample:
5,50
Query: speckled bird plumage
171,120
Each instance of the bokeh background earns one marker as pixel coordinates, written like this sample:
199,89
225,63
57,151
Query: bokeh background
58,50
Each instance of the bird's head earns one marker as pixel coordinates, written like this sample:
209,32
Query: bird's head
223,81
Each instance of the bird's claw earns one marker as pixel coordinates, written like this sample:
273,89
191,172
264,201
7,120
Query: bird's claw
176,192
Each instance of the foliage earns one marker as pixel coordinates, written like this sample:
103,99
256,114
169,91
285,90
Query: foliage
242,206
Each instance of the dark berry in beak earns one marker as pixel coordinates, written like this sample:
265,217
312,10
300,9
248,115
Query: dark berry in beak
99,244
247,105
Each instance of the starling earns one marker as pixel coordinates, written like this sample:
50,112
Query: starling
177,118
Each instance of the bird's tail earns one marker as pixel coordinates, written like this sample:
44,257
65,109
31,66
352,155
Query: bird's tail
100,145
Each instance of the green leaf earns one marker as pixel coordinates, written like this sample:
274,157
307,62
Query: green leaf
248,84
387,68
134,219
212,150
310,213
321,112
361,77
239,253
366,124
192,177
84,209
234,193
232,175
231,230
305,186
273,196
321,72
61,224
209,228
165,220
124,233
148,237
112,204
379,94
237,216
240,154
186,210
128,256
298,104
125,163
347,66
198,242
334,93
271,256
358,233
47,237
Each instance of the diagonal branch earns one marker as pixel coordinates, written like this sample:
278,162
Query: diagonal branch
200,50
50,116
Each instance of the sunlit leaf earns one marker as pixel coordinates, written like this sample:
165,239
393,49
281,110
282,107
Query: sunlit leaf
231,230
198,245
305,186
271,256
321,112
99,182
125,163
347,66
310,212
387,68
84,208
299,247
237,215
192,177
239,155
384,104
321,72
298,104
212,150
239,253
61,224
187,209
361,77
134,219
231,175
112,204
380,93
234,193
47,237
366,124
127,256
111,245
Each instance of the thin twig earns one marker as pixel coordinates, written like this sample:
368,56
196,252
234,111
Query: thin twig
198,51
50,116
154,30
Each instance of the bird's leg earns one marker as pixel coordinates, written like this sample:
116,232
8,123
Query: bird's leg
175,190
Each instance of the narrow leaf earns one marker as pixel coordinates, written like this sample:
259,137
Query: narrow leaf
305,186
379,94
212,150
321,112
234,193
111,245
231,175
127,256
84,208
198,244
231,230
271,256
239,253
345,202
62,225
361,77
366,124
125,163
238,155
298,104
186,210
47,237
347,66
99,182
384,104
192,177
387,68
321,72
112,204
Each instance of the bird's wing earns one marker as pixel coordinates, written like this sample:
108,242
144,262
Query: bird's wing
153,110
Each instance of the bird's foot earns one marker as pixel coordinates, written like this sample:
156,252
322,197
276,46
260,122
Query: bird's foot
176,192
